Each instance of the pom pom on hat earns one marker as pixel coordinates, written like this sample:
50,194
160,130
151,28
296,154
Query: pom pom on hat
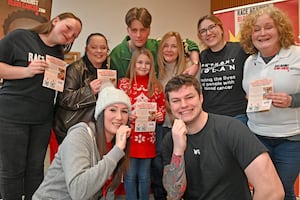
109,95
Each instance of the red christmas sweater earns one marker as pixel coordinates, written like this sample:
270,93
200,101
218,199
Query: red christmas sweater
142,144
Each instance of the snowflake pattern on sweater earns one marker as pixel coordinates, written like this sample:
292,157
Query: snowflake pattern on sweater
142,144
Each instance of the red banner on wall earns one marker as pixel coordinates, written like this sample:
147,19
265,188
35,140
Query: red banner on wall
23,14
232,18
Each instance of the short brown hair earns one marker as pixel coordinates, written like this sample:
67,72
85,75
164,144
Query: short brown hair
140,14
177,82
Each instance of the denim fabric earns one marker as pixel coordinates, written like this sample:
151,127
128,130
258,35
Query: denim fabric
158,190
22,153
137,179
285,155
242,117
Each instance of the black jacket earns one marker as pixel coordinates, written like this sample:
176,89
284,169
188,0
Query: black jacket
77,102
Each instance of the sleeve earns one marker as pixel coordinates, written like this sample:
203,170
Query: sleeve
77,153
77,93
7,47
167,149
119,60
295,100
243,143
190,45
161,105
123,84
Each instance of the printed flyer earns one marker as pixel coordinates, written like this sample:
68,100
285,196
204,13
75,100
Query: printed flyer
107,75
257,92
145,112
55,74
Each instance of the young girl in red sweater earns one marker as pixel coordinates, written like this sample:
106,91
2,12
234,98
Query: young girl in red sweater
141,86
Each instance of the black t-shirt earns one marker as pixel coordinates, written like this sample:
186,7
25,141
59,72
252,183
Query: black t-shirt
221,78
215,159
26,100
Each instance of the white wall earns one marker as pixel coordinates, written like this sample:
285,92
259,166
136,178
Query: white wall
108,17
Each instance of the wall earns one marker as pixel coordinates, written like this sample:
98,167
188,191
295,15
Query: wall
107,17
220,5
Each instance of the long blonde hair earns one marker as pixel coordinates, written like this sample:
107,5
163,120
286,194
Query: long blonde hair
181,60
131,73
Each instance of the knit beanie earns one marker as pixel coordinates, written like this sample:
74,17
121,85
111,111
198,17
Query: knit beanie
109,95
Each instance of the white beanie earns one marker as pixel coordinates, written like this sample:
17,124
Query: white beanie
109,95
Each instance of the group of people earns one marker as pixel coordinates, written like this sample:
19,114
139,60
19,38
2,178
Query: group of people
205,145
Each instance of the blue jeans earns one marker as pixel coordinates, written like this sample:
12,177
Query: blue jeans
137,179
157,187
285,155
242,117
22,153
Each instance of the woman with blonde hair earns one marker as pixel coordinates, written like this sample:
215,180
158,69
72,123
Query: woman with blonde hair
268,35
171,56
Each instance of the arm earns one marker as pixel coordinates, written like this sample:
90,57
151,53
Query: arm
84,174
262,175
77,92
192,49
10,72
295,100
174,178
284,100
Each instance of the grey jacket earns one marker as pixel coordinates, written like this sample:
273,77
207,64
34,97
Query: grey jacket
77,171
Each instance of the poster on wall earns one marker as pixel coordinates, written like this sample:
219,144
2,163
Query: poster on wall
233,17
23,14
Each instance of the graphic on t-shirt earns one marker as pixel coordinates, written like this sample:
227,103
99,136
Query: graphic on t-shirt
210,79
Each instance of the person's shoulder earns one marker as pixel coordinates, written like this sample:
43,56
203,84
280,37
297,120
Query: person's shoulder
218,117
294,49
77,65
152,44
223,120
78,128
153,41
20,33
120,47
204,51
235,45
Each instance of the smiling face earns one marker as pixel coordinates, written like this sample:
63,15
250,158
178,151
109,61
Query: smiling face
170,50
211,35
265,36
142,65
115,115
138,34
97,50
65,31
186,104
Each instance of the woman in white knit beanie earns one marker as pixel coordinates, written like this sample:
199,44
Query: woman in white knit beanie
93,157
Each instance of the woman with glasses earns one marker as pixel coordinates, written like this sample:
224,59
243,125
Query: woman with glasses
221,70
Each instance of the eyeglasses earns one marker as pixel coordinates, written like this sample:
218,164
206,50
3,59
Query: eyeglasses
210,28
